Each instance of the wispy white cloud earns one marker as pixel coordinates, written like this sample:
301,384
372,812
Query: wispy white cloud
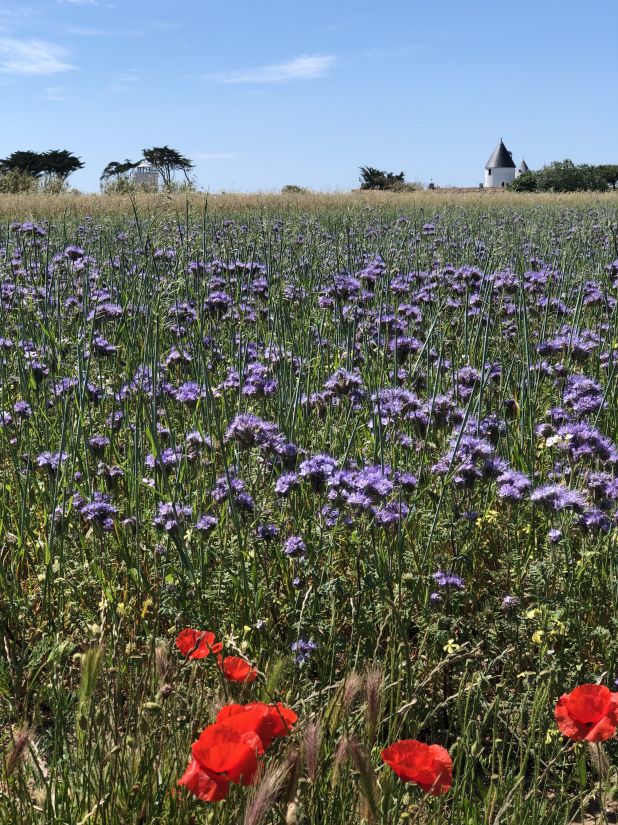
305,67
56,94
80,2
12,15
214,155
32,57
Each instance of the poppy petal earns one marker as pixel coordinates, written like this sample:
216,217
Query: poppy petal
589,712
202,785
197,644
224,751
237,670
429,766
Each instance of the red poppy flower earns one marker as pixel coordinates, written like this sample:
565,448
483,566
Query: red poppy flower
589,712
225,752
237,669
268,721
197,644
207,787
282,718
429,766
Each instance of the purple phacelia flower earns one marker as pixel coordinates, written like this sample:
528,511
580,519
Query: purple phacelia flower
294,546
266,532
171,517
98,443
249,430
512,485
189,393
99,512
558,497
206,524
51,461
286,482
22,409
317,470
583,395
443,579
303,648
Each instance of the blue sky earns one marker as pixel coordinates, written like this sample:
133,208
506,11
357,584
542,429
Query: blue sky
264,94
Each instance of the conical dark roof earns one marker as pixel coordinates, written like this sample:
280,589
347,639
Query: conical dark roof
500,159
523,166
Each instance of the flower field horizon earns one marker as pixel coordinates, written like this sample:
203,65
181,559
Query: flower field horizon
309,509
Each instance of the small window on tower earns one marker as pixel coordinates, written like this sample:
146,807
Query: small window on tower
489,171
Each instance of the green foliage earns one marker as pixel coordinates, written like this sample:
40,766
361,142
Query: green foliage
99,710
60,163
118,185
293,189
53,167
168,161
115,169
371,178
563,176
528,182
31,163
182,186
15,181
609,172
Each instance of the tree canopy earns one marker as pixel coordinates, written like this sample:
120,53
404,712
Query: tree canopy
610,173
56,163
115,168
31,163
168,161
565,176
371,178
61,163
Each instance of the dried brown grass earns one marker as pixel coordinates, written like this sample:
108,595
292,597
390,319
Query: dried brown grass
40,206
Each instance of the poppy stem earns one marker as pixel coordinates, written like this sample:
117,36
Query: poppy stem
600,763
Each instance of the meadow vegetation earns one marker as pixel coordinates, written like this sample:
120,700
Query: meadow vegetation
369,443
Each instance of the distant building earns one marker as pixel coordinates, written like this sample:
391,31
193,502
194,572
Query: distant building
522,168
145,176
500,168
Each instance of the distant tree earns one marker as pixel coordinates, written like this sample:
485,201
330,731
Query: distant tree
32,163
54,167
60,163
561,176
293,189
168,161
114,169
527,182
371,178
609,171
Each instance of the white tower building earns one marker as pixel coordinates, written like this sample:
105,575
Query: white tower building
145,176
499,169
523,167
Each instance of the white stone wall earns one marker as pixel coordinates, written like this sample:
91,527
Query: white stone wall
498,177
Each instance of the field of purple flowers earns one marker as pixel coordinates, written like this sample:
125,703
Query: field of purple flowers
373,451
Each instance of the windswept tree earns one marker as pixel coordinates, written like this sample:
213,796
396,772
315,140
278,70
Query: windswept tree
60,163
167,162
56,163
26,161
115,169
371,178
